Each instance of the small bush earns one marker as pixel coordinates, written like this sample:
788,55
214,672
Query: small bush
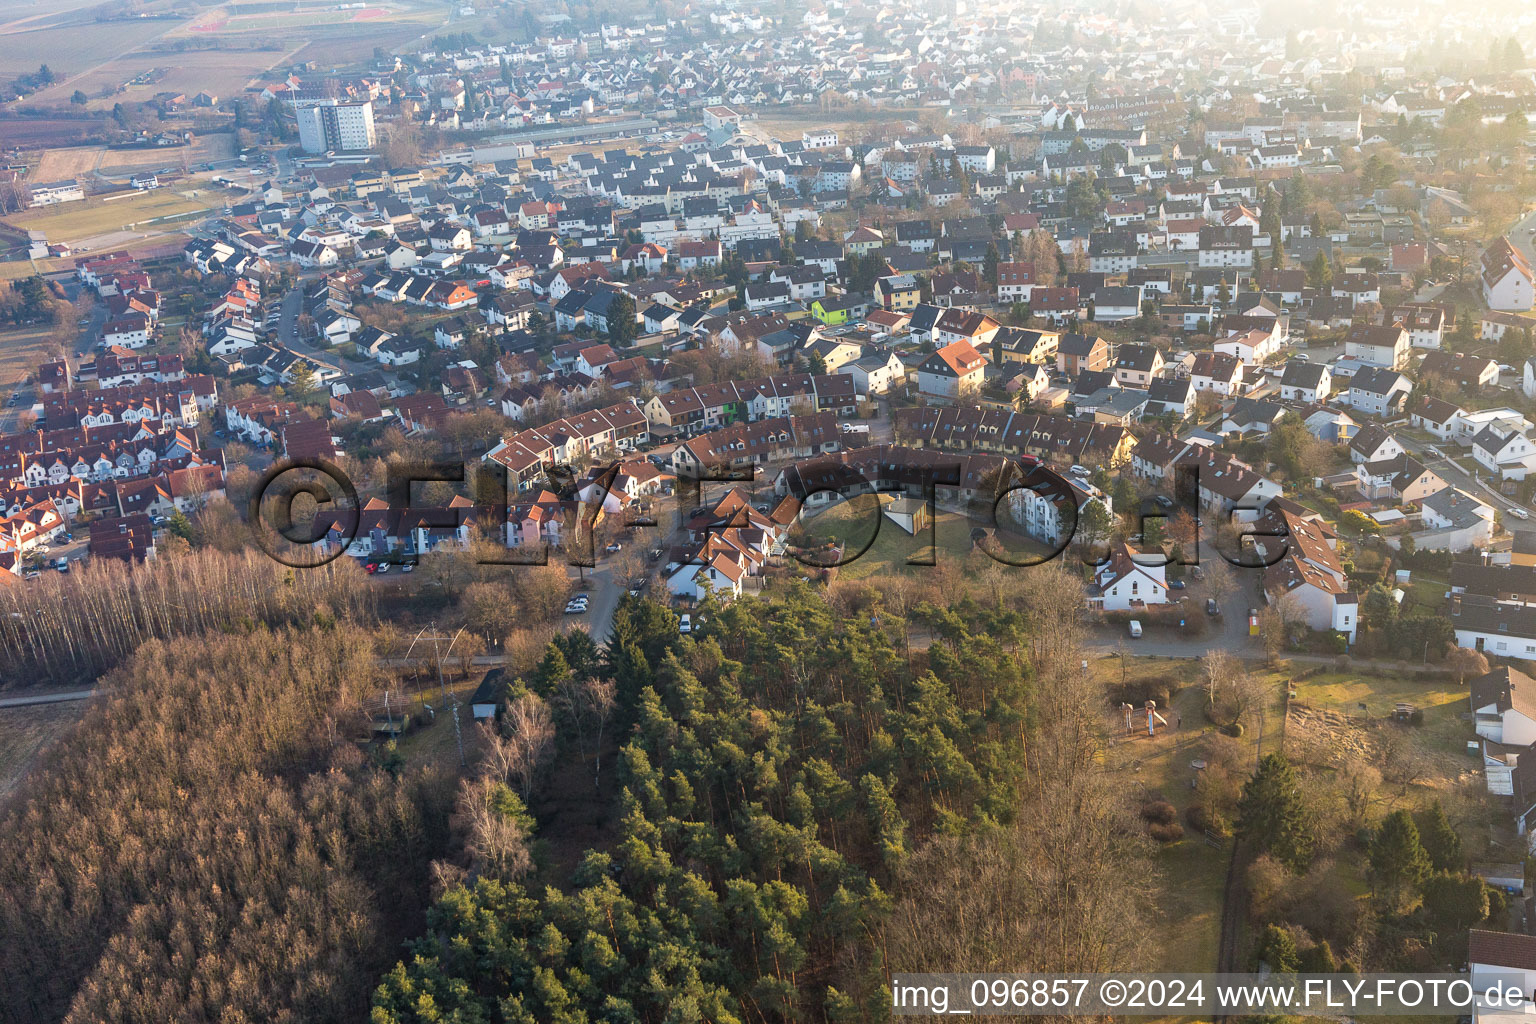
1166,833
1160,812
1139,691
1233,729
1203,819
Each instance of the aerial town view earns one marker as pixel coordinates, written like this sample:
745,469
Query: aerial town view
731,512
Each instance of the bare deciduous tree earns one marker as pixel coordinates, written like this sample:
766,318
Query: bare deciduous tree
529,729
493,837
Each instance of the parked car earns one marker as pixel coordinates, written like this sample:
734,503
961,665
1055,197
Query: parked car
1135,630
685,624
371,568
575,607
614,548
383,568
1176,584
1211,607
408,567
1518,512
1163,501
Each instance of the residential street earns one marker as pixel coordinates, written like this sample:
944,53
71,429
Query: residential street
1453,474
288,328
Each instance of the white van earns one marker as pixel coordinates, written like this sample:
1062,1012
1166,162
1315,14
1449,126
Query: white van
1135,629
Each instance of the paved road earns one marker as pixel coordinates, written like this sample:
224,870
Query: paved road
288,328
1453,474
47,698
1228,631
1520,235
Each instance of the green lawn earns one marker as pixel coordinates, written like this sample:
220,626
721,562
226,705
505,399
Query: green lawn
1192,873
1189,904
887,552
1344,692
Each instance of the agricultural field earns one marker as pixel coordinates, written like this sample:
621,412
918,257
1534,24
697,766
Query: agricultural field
223,72
22,349
96,219
81,161
204,149
72,49
323,35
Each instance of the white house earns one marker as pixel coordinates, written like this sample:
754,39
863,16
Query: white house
1123,583
1454,520
1306,382
1378,391
875,373
1381,346
1509,453
1507,278
1502,958
1502,630
1251,346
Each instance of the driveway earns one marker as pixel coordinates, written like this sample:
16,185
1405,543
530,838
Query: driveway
1453,474
1228,631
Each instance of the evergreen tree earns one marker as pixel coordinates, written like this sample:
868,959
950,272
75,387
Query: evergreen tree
1455,902
1278,950
1441,843
1269,224
1319,273
1271,814
622,326
1318,959
301,380
989,264
1398,863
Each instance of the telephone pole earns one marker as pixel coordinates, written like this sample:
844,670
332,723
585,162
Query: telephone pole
451,700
